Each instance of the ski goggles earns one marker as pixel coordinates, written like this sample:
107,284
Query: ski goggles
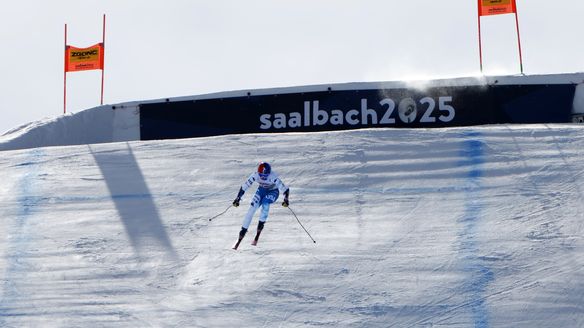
263,176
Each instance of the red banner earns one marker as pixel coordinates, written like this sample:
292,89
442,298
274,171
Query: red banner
84,59
496,7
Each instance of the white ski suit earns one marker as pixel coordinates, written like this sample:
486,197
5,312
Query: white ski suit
268,191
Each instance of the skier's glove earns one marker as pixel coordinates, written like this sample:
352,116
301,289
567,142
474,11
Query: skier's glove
238,198
285,203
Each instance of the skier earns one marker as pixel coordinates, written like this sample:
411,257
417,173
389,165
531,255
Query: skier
266,194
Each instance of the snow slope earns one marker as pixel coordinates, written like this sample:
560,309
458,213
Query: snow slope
461,227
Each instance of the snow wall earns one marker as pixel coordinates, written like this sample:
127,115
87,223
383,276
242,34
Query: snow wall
427,104
421,104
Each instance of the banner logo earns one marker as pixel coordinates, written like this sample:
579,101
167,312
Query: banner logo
496,7
83,59
386,112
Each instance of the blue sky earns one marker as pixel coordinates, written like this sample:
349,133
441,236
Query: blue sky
160,49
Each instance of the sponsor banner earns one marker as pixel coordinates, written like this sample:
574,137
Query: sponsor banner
355,109
496,7
83,59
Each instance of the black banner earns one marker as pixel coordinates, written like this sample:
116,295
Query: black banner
354,109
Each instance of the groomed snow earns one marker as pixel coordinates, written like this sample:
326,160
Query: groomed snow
462,227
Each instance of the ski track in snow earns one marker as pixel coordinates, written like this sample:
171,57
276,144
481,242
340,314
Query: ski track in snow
461,227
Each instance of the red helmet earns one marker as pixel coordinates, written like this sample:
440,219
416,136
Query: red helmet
264,169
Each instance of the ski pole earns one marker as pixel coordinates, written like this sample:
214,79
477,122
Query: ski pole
218,215
314,241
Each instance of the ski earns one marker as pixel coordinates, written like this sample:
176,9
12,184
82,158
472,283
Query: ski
255,240
237,243
241,235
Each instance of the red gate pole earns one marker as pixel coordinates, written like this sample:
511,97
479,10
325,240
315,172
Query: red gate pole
519,42
103,56
480,45
65,76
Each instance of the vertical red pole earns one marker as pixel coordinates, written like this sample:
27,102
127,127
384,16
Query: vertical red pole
65,76
519,42
103,66
480,45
